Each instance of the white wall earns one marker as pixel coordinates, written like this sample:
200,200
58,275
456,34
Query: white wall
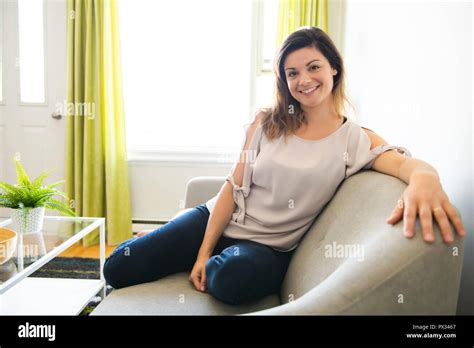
158,188
409,67
2,122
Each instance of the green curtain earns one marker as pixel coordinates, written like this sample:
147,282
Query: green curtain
293,14
96,164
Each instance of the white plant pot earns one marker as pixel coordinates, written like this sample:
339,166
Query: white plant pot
27,220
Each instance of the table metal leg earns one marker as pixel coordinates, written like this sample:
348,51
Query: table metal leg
102,255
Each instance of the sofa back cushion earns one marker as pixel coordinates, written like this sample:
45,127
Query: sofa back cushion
356,213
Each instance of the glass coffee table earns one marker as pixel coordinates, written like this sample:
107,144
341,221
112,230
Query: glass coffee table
24,295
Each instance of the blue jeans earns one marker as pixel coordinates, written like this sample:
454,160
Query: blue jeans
239,271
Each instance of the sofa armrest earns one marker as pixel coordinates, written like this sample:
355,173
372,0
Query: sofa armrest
398,276
202,188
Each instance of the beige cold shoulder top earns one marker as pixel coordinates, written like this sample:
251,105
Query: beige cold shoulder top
285,186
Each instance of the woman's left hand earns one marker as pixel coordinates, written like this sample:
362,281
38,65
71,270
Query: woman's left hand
425,197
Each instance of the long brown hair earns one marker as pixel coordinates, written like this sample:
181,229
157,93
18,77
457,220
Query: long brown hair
286,115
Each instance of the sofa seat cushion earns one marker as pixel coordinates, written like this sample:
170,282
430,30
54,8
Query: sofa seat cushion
173,295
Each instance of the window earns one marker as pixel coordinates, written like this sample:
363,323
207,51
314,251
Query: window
266,46
186,74
268,19
31,62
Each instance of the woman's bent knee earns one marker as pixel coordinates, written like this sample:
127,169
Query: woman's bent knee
109,274
112,273
115,263
228,278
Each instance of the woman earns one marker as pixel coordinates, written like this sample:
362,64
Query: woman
295,155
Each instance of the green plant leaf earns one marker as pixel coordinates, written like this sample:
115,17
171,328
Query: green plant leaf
59,206
22,177
36,183
28,194
56,184
40,198
6,202
8,188
16,193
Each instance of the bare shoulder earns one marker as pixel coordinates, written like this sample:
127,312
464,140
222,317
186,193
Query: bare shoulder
257,120
259,115
375,139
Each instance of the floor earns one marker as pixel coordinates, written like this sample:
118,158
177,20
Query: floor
78,250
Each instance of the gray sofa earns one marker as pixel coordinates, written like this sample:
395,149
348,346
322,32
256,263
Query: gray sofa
381,271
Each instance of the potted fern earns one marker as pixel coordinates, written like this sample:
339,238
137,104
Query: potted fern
29,199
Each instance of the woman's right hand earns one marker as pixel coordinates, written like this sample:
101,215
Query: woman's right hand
198,273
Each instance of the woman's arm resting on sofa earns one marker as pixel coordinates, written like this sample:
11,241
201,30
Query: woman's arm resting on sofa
424,195
221,214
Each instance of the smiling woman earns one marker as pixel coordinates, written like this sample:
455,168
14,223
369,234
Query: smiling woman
240,242
308,69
